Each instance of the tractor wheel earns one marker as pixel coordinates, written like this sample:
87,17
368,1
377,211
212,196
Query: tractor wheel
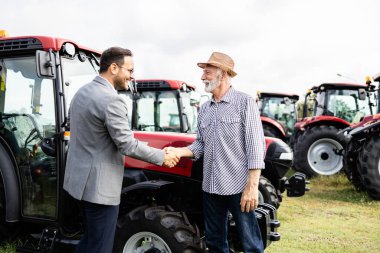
315,152
8,231
350,168
369,169
271,132
267,193
3,228
153,229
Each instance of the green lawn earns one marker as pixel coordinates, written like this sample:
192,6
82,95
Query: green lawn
331,218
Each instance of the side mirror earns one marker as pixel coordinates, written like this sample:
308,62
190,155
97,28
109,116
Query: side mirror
45,62
362,94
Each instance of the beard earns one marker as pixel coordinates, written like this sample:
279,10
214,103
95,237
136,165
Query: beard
213,84
120,83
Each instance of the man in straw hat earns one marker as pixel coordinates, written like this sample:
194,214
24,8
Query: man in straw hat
231,140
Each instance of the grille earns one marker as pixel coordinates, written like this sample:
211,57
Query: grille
17,45
146,85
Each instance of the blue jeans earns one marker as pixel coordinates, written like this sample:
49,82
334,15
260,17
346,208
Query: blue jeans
215,208
100,226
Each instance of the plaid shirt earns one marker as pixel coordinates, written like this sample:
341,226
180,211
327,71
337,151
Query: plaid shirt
230,137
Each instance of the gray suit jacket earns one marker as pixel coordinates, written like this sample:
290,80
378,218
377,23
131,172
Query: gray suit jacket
100,137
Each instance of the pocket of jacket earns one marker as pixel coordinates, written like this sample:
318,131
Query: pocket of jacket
110,179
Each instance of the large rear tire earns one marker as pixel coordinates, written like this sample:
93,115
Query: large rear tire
351,169
369,169
268,193
3,226
153,229
8,231
315,152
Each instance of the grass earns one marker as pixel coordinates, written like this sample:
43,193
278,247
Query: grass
8,247
331,218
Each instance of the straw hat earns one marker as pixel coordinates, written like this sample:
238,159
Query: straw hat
221,61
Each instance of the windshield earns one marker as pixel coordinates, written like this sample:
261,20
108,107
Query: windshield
344,104
281,109
158,111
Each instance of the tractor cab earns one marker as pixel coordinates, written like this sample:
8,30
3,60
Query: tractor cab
346,101
278,113
163,106
38,77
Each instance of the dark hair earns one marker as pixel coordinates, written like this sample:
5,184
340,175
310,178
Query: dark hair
113,55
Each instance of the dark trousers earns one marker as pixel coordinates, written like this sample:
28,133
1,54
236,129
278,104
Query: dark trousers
215,208
100,225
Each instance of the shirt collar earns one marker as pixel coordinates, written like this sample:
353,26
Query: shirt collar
226,97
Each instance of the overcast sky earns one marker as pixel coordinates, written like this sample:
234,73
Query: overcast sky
284,46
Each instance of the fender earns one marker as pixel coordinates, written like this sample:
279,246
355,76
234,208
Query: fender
11,184
320,120
270,121
365,129
150,184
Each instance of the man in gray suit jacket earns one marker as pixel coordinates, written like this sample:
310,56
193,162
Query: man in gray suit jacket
100,138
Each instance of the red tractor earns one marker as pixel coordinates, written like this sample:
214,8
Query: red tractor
362,157
278,113
160,209
328,108
361,154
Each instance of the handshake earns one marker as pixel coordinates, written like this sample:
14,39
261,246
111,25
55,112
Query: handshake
172,156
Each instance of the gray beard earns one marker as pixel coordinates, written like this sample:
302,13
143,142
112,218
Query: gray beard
212,85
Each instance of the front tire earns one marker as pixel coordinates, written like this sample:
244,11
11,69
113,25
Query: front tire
369,169
267,193
315,152
153,229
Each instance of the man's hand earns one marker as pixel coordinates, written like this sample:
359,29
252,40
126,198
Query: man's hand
249,199
250,196
177,152
171,159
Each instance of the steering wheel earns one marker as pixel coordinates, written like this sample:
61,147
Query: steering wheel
169,129
141,127
34,134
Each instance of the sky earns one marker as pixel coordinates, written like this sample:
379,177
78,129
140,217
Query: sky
278,46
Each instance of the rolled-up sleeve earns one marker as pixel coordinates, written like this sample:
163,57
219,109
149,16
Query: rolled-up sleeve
197,147
254,137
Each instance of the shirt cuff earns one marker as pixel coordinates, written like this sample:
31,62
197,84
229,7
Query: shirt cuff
256,165
196,149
